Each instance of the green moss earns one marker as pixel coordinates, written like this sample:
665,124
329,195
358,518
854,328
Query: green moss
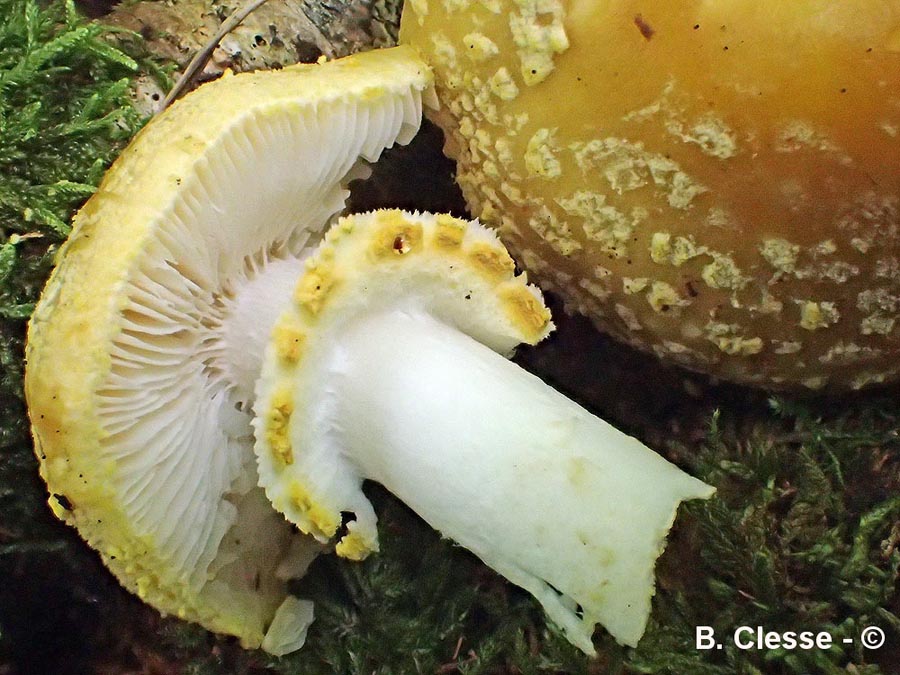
802,536
64,114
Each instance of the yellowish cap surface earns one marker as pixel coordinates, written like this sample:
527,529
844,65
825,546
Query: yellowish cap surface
141,426
715,182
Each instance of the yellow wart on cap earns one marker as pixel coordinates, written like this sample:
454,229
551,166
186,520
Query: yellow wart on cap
314,286
354,546
277,425
289,340
319,520
492,260
816,315
396,236
524,310
449,232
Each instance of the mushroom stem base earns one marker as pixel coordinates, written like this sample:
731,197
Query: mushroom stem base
551,497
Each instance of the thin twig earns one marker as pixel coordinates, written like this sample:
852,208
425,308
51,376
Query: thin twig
201,57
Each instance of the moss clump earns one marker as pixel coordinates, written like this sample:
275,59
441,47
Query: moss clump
803,535
65,112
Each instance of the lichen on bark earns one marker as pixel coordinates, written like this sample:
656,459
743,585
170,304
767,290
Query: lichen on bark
278,33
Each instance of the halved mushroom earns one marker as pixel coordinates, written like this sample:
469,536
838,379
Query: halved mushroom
197,290
138,383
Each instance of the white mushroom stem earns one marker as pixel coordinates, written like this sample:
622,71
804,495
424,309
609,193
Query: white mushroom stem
388,364
553,498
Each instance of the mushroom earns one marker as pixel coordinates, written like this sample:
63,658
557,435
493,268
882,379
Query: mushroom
138,382
389,366
714,182
197,305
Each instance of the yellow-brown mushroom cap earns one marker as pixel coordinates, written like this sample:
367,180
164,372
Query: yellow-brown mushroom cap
140,417
714,182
